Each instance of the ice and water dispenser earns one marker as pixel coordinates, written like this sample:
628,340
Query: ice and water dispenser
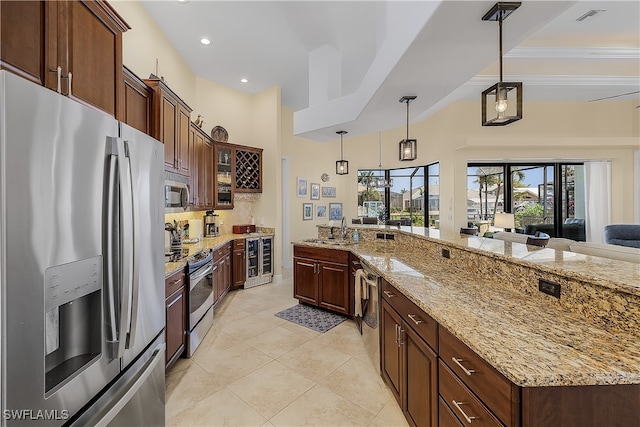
73,320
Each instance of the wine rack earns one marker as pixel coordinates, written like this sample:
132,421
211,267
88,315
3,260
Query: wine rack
248,171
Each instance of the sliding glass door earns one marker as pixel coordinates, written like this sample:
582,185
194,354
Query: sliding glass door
544,197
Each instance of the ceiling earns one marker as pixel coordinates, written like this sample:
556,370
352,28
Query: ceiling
345,64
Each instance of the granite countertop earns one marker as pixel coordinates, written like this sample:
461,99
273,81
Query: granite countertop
613,274
530,343
206,244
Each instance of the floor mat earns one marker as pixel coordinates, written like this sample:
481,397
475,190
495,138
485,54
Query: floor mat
311,317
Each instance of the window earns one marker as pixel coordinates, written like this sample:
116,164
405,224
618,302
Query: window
407,195
405,198
371,198
433,195
544,197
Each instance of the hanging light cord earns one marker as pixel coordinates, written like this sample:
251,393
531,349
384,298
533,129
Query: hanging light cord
380,150
500,35
408,102
341,153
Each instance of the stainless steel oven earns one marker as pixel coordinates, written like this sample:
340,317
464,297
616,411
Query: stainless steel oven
199,299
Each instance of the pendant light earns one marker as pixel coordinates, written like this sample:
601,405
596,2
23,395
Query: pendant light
382,182
497,95
342,166
408,147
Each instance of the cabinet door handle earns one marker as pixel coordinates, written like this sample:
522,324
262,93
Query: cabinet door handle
388,294
397,336
415,319
466,371
466,417
70,77
58,71
400,333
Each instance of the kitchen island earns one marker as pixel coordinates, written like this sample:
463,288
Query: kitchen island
485,293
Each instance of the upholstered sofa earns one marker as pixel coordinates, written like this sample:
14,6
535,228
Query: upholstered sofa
573,228
622,235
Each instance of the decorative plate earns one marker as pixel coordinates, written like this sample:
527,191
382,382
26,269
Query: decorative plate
324,177
219,134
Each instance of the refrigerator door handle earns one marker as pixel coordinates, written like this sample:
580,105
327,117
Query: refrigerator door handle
135,284
157,357
110,237
125,271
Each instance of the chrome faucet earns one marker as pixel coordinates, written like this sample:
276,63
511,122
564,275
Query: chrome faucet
343,228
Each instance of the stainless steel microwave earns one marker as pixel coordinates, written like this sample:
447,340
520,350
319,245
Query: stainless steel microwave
176,196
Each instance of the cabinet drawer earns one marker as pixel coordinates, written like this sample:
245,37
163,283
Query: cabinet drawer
174,282
238,244
497,392
321,254
462,402
221,252
446,417
414,316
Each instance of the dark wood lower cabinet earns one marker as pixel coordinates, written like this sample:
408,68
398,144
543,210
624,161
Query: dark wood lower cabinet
175,317
421,380
438,380
222,275
391,351
410,367
239,264
603,405
321,278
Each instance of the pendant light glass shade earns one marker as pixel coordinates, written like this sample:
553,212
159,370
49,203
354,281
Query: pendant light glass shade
408,148
502,102
342,166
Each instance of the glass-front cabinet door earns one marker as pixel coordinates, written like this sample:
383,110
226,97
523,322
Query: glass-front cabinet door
225,176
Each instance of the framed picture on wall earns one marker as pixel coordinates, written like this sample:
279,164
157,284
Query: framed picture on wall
307,211
315,191
335,211
321,211
301,185
328,191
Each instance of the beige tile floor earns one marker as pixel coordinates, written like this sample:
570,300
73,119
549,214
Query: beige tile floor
255,369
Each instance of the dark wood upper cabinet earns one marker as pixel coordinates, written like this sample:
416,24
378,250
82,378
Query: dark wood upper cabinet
73,47
137,102
171,118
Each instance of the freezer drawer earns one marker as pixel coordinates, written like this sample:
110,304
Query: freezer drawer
136,398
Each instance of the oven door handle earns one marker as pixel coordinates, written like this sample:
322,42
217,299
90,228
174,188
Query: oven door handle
199,274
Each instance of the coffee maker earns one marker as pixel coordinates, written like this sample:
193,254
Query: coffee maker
211,228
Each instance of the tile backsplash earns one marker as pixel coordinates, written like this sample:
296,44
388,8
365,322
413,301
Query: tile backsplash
240,214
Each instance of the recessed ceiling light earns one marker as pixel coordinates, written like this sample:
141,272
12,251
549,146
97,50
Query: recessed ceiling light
205,41
244,81
183,1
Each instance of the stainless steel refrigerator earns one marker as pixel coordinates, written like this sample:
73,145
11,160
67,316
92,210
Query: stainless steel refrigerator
81,264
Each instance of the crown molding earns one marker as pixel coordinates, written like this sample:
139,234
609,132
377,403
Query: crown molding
573,53
559,80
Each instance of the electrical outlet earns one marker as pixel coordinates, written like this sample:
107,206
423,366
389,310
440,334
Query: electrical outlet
549,288
446,253
389,236
379,235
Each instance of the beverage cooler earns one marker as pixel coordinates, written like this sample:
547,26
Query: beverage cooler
259,261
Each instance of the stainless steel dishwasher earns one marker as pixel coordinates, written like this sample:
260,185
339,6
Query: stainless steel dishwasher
371,316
